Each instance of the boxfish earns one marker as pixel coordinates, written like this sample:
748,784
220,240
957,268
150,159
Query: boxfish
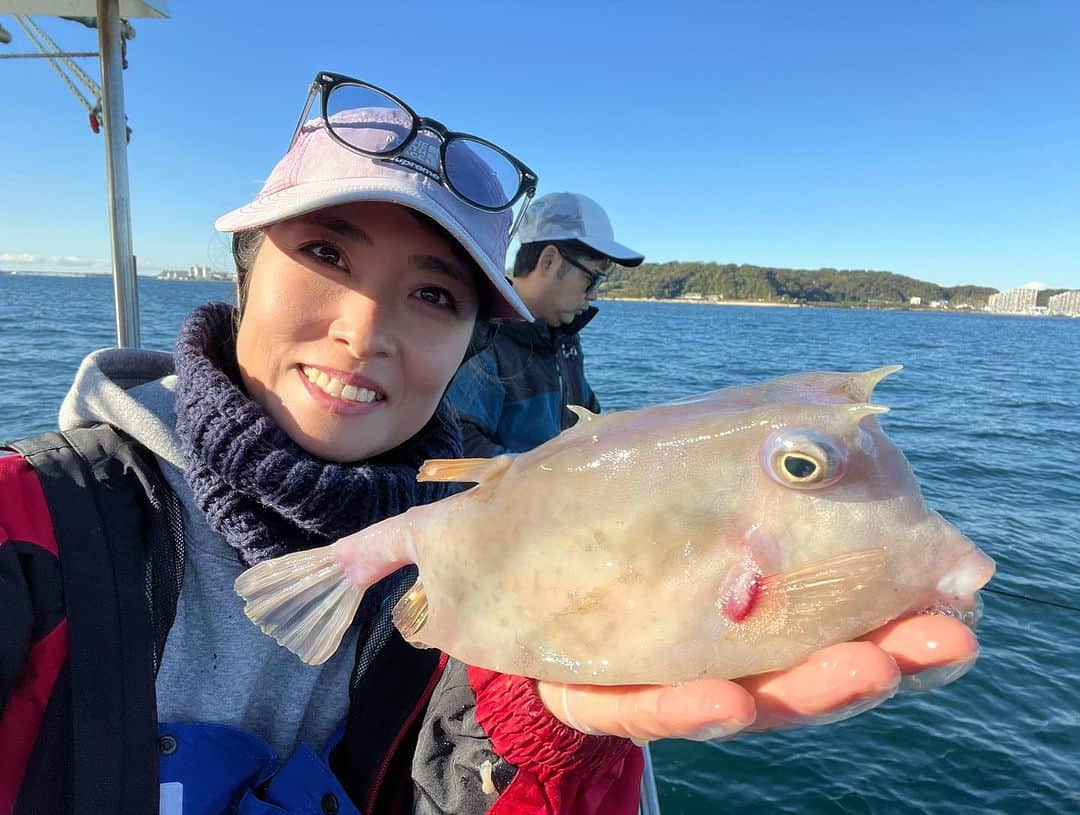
721,535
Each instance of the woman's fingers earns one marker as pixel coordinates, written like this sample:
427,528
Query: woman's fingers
834,683
931,650
916,653
926,641
704,709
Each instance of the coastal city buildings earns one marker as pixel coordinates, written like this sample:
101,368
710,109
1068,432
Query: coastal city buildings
1067,304
1015,301
193,273
1035,298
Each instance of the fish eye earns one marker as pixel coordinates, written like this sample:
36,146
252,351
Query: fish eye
805,459
799,466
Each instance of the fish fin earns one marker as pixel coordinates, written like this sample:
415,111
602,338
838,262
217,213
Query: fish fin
304,600
584,414
411,611
859,386
860,410
479,470
809,590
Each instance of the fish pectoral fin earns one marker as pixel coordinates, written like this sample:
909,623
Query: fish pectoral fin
479,470
809,590
411,611
584,414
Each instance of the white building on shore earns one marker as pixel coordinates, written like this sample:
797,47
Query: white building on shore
1016,301
1066,304
193,273
1033,298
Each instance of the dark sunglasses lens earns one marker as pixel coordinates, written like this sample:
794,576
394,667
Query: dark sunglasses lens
596,277
367,119
481,174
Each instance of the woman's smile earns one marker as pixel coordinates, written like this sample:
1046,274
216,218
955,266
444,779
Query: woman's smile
341,392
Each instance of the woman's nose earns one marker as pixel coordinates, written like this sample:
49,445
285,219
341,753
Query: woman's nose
366,326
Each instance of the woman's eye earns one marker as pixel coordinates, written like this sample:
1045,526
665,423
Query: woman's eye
437,296
325,252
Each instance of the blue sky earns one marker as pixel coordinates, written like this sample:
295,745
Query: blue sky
936,140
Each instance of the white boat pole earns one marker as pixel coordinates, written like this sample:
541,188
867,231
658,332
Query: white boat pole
650,802
125,288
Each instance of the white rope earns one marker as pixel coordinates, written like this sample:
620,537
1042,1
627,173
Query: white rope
29,27
74,66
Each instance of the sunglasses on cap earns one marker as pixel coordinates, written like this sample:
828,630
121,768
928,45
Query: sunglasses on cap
596,276
506,181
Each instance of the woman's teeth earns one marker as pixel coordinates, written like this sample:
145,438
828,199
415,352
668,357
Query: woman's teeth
338,389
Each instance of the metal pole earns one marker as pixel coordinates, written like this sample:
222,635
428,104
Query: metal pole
650,802
125,288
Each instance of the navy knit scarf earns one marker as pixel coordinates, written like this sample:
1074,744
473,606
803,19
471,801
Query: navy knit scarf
259,488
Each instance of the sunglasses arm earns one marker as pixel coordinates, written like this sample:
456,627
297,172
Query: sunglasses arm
314,90
529,193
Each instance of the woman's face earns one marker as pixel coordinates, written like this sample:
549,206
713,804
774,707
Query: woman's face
356,319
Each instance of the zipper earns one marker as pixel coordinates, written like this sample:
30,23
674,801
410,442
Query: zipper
380,776
562,400
560,361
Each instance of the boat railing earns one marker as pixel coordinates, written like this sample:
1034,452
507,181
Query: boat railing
650,803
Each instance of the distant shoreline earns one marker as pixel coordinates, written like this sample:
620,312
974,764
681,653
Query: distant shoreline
88,275
678,300
754,303
771,304
864,306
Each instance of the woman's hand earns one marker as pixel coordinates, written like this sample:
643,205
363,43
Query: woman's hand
833,684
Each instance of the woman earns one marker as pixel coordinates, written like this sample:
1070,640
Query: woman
369,266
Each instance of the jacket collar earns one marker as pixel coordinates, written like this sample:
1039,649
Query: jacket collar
539,332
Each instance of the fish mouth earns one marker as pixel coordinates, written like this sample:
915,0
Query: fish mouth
960,585
971,617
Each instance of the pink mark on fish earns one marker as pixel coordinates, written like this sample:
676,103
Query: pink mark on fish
740,592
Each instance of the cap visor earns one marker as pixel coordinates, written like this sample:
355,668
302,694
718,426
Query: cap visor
623,255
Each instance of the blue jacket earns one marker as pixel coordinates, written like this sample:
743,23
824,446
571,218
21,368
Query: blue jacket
512,397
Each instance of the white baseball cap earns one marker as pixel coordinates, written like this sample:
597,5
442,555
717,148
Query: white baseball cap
317,172
564,216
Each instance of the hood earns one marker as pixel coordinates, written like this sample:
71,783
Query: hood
131,389
539,332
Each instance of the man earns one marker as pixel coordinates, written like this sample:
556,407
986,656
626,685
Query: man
514,395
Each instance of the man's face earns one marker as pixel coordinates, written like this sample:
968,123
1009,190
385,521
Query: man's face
572,286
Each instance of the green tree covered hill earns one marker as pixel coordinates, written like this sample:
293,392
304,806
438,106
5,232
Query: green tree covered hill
730,281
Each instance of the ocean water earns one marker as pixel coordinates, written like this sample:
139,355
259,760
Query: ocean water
987,411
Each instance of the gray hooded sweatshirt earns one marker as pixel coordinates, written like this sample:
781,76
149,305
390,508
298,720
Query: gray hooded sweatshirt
217,666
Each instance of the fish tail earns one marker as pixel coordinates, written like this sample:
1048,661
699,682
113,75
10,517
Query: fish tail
304,600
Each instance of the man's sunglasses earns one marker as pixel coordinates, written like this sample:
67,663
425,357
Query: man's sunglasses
596,276
375,123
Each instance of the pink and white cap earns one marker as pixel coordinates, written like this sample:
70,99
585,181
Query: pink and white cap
317,173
